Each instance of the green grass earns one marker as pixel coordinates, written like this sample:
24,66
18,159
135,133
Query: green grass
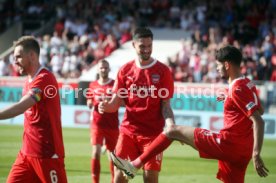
180,164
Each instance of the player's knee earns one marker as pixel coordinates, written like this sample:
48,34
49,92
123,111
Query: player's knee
150,176
171,131
96,154
149,180
119,177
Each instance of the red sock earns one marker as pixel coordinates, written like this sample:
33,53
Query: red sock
157,146
95,170
111,167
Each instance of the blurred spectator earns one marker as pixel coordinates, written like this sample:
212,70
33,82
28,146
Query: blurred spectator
86,31
5,67
56,62
262,69
59,27
126,36
109,45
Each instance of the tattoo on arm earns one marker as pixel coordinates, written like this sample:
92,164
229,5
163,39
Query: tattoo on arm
167,112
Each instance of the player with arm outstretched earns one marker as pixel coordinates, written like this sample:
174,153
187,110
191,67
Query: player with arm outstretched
41,158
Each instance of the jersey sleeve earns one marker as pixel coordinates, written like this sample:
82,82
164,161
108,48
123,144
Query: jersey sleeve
246,99
39,87
168,84
43,86
36,93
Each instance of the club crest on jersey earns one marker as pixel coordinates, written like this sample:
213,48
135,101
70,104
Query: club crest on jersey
155,78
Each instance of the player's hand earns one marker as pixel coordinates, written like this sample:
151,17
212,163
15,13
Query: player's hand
89,104
102,106
260,166
221,98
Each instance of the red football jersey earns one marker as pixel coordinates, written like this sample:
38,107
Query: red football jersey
97,93
42,136
242,101
142,88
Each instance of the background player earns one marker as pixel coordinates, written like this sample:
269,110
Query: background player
104,127
241,137
146,86
41,158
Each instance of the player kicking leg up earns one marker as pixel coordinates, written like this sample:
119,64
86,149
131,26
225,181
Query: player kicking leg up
210,145
242,111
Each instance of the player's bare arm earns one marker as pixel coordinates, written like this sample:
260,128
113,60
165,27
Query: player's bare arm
258,129
167,112
261,110
89,103
18,108
110,106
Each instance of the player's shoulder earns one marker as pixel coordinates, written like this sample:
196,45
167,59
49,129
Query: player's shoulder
93,82
128,65
161,65
45,74
160,68
112,81
242,86
244,82
44,78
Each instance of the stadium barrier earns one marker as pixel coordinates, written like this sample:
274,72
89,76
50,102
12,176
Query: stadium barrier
187,96
79,117
188,100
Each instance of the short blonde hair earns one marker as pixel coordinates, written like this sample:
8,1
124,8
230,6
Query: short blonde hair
28,43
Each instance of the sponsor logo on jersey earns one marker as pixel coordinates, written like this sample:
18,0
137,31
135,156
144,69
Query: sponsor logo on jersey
130,78
238,89
142,89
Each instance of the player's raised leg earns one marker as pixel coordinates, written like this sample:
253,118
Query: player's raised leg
184,134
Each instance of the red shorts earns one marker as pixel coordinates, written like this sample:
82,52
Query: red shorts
36,170
98,136
130,147
232,161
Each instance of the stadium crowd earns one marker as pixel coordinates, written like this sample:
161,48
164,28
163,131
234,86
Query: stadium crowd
87,31
33,12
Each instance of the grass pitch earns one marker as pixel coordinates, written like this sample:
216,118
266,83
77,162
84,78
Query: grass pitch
180,164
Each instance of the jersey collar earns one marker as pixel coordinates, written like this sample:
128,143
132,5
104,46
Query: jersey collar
37,72
235,80
137,63
105,83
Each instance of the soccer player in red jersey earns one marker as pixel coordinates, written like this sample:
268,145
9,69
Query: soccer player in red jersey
146,86
240,139
104,127
41,158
